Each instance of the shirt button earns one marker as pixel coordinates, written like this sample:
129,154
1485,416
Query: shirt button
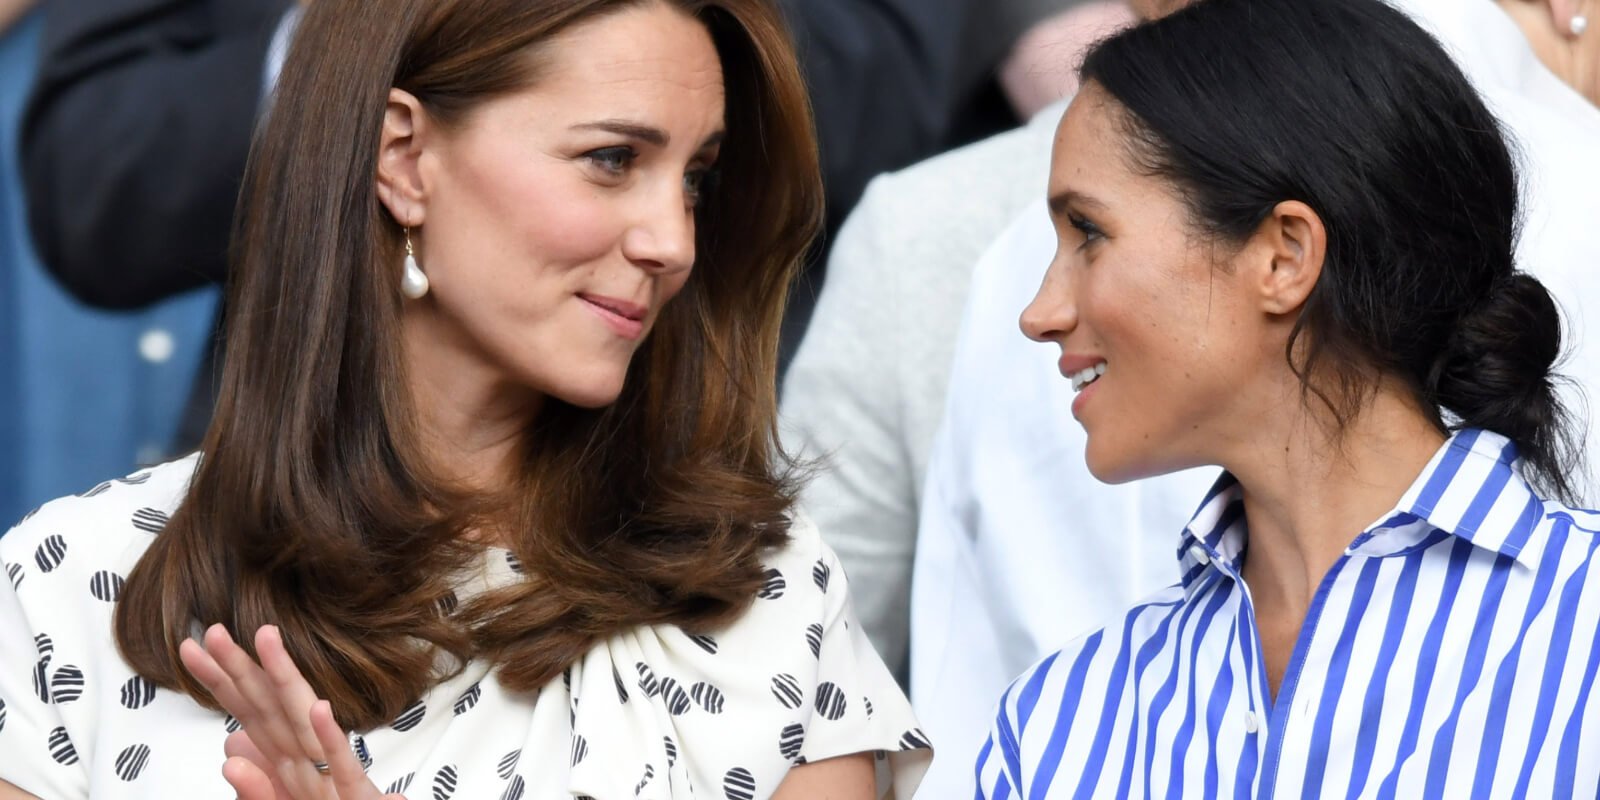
156,346
1201,555
1251,722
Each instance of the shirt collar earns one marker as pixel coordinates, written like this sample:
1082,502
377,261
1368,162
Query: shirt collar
1471,489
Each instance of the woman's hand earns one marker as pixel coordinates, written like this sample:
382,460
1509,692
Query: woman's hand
286,730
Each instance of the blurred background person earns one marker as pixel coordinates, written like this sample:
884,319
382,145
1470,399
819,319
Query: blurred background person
1020,550
84,394
866,388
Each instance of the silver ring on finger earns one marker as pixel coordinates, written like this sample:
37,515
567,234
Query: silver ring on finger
322,767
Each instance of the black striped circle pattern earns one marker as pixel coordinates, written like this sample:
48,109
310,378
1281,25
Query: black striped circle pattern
150,520
358,745
820,574
707,697
2,714
401,784
50,553
814,639
647,680
790,740
866,702
622,691
676,699
468,699
514,789
445,782
14,572
138,693
41,680
580,749
61,748
508,763
787,689
914,739
514,563
830,701
772,585
410,718
106,585
672,750
132,760
739,784
649,772
705,643
232,724
98,489
66,685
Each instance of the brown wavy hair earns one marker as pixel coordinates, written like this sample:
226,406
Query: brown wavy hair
314,508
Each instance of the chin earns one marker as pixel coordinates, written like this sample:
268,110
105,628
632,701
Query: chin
1116,467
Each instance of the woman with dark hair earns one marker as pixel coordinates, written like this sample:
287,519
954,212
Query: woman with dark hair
1286,234
493,471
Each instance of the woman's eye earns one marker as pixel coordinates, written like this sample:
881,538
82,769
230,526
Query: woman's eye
613,160
1091,232
697,184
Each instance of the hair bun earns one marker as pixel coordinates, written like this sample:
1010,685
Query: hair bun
1496,370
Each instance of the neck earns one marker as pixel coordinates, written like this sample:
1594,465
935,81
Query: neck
470,417
1308,495
1573,59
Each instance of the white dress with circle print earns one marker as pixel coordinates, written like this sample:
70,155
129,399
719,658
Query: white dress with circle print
650,713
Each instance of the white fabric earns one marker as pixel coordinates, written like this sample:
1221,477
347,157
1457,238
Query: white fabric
651,713
1020,550
866,388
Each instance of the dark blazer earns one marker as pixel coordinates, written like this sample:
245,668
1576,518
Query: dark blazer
135,138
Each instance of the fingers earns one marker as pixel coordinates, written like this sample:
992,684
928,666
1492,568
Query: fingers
248,780
239,745
349,778
294,695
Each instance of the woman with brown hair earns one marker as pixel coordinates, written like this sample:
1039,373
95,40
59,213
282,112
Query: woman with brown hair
472,478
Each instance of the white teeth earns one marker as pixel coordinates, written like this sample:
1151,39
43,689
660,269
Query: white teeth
1087,376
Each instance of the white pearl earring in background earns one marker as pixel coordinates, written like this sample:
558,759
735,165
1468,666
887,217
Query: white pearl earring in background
1580,23
413,282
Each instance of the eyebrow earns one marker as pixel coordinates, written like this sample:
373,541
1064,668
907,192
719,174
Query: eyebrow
1060,200
643,133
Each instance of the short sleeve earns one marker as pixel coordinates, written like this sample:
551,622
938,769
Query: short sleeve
40,757
857,703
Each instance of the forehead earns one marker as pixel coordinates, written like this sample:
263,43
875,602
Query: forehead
649,51
1088,148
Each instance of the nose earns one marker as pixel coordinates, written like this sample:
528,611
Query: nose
1054,311
661,239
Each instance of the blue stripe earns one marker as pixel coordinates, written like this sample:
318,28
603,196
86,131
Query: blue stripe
1045,773
1113,701
1147,653
1455,455
1169,687
1010,750
1338,669
983,761
1180,743
1556,661
1217,706
1419,682
1030,694
1483,501
1372,703
1494,738
1471,670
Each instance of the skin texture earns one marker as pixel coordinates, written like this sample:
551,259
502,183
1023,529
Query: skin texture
1193,335
1573,58
526,208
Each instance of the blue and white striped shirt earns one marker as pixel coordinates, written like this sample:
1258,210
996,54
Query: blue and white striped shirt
1451,652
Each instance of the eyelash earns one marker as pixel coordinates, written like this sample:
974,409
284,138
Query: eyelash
1091,232
614,161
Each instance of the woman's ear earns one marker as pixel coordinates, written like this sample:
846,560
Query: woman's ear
1296,242
399,179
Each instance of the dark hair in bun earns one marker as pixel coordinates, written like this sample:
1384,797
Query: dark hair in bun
1351,108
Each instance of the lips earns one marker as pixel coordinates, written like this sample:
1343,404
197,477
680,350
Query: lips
626,319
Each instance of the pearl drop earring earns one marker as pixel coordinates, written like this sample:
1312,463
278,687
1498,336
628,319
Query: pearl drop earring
413,282
1580,23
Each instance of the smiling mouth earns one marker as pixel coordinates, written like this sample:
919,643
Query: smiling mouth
1088,375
